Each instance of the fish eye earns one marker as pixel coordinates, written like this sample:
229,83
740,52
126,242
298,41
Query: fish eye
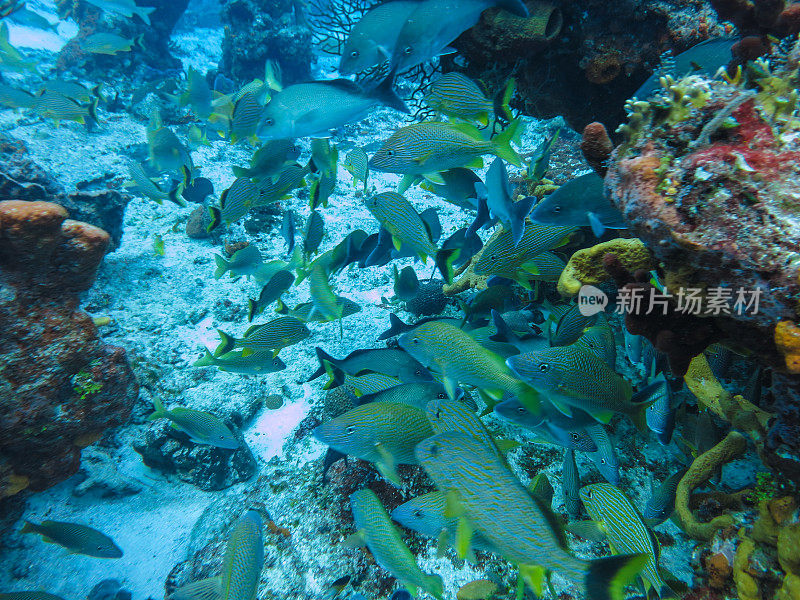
269,122
441,395
350,429
407,50
544,367
556,209
573,435
354,54
415,340
521,410
602,461
493,257
390,153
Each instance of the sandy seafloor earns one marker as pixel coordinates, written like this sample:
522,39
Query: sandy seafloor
165,309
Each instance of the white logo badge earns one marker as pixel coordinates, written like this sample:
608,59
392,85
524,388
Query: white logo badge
591,300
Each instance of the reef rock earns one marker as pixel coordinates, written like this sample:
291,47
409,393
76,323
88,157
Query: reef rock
60,386
261,30
207,467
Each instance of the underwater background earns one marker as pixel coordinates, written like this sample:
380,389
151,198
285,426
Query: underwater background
355,299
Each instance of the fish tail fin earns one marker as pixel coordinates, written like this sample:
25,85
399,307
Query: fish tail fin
605,578
502,143
206,360
144,13
92,108
396,327
222,266
28,527
240,171
386,95
159,411
434,586
516,7
176,195
226,343
281,308
323,357
252,310
444,262
272,75
139,41
502,100
216,218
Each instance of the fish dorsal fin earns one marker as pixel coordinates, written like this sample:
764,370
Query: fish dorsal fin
555,522
469,130
355,540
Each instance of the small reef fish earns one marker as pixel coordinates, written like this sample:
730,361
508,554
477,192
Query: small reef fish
599,338
406,283
244,558
77,538
325,302
481,487
383,433
243,263
366,384
661,503
245,118
275,335
60,108
166,151
126,8
269,160
143,184
571,483
197,95
428,30
569,326
579,202
291,177
418,394
456,95
605,459
458,187
31,18
257,363
430,147
450,414
10,58
315,231
622,523
389,361
308,109
289,229
375,529
374,37
306,312
661,413
458,358
109,43
357,164
577,439
272,291
201,427
71,89
501,204
234,202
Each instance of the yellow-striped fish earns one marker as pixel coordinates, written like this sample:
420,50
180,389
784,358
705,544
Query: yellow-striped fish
490,500
246,113
357,164
109,43
275,335
376,531
456,95
244,559
450,414
77,538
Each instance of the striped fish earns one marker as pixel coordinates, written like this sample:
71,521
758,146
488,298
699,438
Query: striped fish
389,361
522,530
545,266
52,105
235,201
290,177
451,415
322,297
625,529
315,231
456,95
305,311
277,285
275,335
460,359
376,531
77,538
569,326
432,146
357,164
417,394
661,503
661,414
244,559
571,484
246,113
167,152
201,427
383,433
548,432
141,183
257,363
268,160
108,43
324,160
599,338
605,459
369,383
502,258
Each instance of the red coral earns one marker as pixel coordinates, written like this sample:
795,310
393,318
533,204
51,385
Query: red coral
596,147
61,386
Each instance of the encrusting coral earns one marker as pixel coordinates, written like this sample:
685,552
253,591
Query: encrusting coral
60,386
585,267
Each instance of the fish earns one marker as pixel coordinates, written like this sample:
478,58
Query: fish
605,459
243,263
703,58
545,267
427,515
449,414
209,588
277,334
661,413
60,108
625,529
429,29
577,439
357,164
244,558
458,187
234,202
141,183
126,8
201,427
599,338
306,311
109,43
289,229
399,217
10,58
458,358
481,488
573,376
633,346
373,38
389,361
277,285
77,538
31,18
269,160
539,161
580,202
541,487
383,433
661,503
456,95
257,363
71,89
312,109
291,177
406,283
397,326
503,258
429,147
326,304
11,97
315,231
29,595
324,162
245,118
166,151
197,94
366,384
374,529
502,205
417,394
570,326
571,483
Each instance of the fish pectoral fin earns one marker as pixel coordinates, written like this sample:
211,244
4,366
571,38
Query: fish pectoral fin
450,386
386,465
452,505
419,160
530,267
443,543
355,540
534,576
505,446
561,406
602,415
588,530
434,178
397,243
463,537
477,162
597,227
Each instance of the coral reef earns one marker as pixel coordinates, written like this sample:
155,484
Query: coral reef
95,203
760,17
585,267
61,386
261,30
596,147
